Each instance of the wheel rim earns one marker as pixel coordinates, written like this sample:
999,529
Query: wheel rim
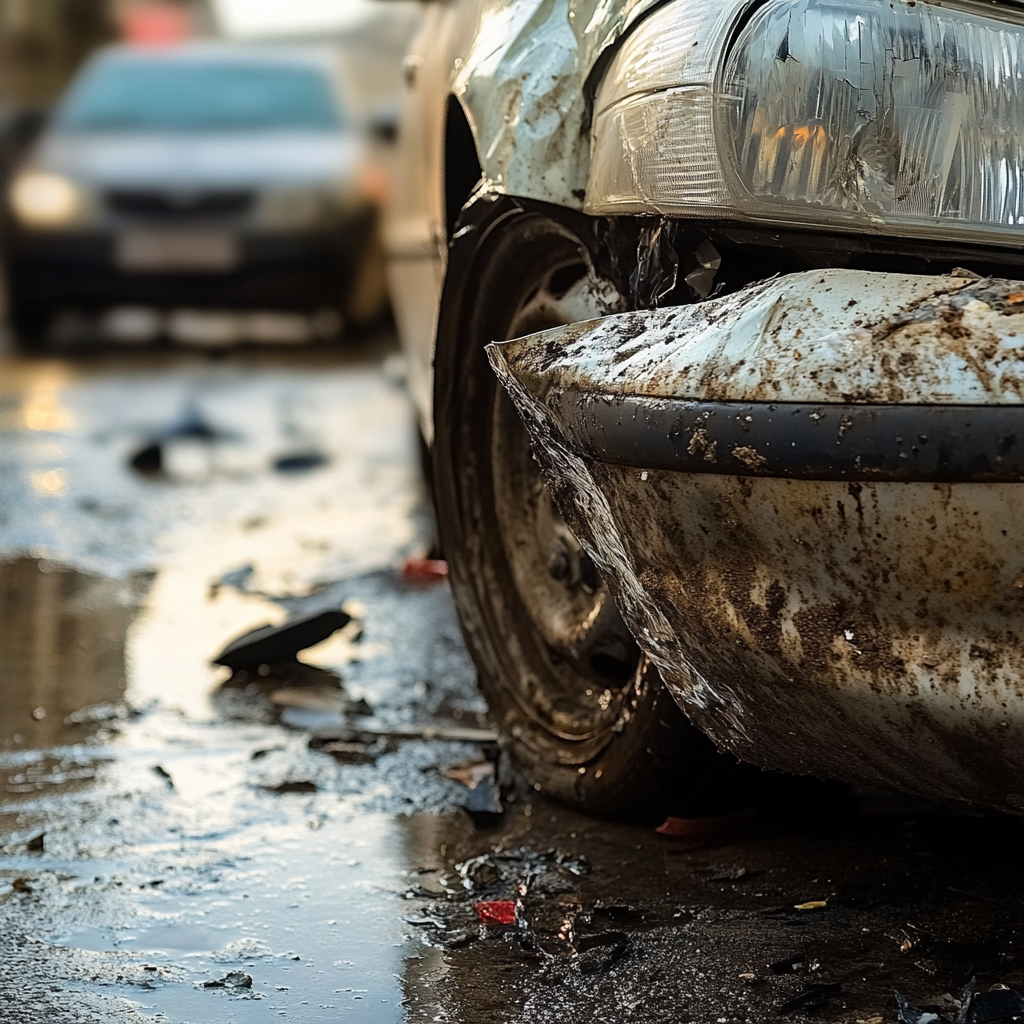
582,646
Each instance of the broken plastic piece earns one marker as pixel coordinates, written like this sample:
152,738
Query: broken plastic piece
148,459
425,570
319,698
814,997
701,828
811,905
702,278
657,266
483,801
300,461
233,979
998,1004
268,644
496,912
910,1014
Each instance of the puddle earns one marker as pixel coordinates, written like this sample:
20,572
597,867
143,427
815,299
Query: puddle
156,831
62,638
160,831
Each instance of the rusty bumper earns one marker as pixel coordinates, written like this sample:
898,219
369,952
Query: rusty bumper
807,500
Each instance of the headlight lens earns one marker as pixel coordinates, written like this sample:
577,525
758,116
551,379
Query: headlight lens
40,199
852,113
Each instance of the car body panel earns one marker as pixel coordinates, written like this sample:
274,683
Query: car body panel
519,71
861,623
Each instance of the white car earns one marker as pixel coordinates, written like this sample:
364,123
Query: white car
762,263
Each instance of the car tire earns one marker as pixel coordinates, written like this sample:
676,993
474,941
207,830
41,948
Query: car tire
579,707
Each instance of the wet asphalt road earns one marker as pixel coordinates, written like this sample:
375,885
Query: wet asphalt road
178,847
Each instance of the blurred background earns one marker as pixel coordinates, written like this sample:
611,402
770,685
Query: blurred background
206,172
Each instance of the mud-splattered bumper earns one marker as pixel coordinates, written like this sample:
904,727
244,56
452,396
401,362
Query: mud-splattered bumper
807,498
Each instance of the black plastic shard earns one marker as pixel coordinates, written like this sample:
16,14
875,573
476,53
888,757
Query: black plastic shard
813,997
997,1005
268,644
910,1014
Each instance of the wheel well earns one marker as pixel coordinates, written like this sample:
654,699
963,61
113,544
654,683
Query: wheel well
461,165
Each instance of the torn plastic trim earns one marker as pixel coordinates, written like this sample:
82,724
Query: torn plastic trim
830,375
941,444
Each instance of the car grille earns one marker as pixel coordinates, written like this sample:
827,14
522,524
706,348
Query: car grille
170,204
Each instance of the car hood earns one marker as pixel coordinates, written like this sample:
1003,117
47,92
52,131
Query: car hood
266,158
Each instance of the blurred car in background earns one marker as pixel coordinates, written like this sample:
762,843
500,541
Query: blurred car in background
205,176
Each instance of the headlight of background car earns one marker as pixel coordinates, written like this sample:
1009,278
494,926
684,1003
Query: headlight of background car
43,200
846,113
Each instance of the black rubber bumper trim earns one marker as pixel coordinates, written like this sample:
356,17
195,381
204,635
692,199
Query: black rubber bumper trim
940,443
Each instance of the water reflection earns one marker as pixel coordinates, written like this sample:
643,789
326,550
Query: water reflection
62,648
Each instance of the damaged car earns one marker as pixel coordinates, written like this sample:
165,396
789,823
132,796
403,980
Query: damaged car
714,315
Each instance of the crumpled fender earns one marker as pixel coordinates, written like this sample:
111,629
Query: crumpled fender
520,74
806,500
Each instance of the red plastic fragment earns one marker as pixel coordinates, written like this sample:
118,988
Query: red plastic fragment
425,570
704,828
496,912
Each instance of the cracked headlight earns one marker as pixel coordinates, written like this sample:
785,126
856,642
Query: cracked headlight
853,114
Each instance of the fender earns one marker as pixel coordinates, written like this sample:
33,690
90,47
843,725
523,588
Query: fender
522,72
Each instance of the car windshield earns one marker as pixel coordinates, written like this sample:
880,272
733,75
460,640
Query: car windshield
200,96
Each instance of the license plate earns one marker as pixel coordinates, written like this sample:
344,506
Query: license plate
177,252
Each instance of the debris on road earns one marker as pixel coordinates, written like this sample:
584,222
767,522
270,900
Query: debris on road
483,799
36,843
297,786
319,698
349,753
726,872
815,996
616,911
470,773
999,1003
483,803
159,769
700,830
268,644
910,1014
372,734
233,979
148,459
300,461
21,885
425,570
496,912
789,964
521,870
597,953
239,579
457,939
811,905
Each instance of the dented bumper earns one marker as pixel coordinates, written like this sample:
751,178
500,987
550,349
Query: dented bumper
807,500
